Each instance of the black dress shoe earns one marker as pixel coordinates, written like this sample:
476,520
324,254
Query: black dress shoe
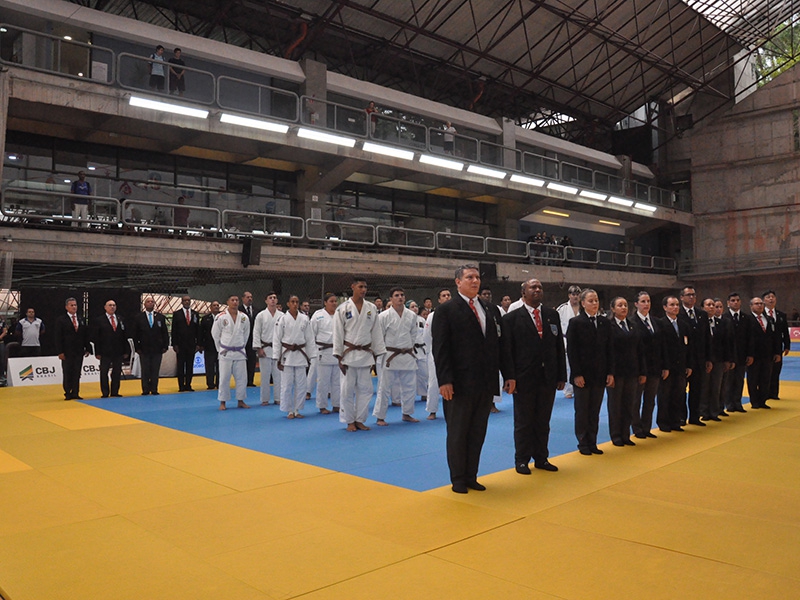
474,485
629,442
77,398
189,389
596,450
697,422
145,393
640,436
154,393
741,409
618,443
116,395
546,466
665,429
714,419
104,396
459,488
723,414
254,385
586,452
523,469
683,422
678,429
651,435
765,405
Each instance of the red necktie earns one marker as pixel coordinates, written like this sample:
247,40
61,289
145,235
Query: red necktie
761,322
475,310
187,317
75,322
538,320
113,323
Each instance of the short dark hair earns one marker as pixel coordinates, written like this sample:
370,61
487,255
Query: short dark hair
396,289
177,50
642,293
159,47
359,279
441,291
574,289
68,300
734,295
485,288
328,296
468,267
666,299
271,293
687,287
767,293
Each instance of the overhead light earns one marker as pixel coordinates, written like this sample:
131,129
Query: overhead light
593,195
12,157
647,207
282,234
486,172
388,151
168,107
566,189
604,222
312,134
67,181
527,180
441,162
620,201
254,123
555,213
92,168
68,38
3,30
80,74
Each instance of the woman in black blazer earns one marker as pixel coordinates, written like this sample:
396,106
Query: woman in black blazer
629,371
592,366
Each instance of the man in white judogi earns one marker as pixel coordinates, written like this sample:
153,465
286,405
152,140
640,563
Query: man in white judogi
293,348
421,350
263,332
399,329
432,405
230,332
328,381
357,340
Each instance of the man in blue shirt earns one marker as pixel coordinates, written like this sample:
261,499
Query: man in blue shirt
80,190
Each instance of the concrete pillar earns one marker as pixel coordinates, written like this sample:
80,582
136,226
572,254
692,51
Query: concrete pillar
315,88
508,140
4,93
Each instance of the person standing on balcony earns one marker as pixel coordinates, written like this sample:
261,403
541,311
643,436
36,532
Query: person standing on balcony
372,118
449,138
177,81
157,69
81,190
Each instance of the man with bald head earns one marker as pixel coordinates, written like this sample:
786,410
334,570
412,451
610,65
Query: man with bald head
767,351
534,366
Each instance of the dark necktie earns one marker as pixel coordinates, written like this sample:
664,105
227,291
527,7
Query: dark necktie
594,321
691,315
735,317
624,325
647,322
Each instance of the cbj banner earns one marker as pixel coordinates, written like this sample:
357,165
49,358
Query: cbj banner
44,370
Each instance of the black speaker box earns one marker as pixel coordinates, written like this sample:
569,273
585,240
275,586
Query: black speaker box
251,252
488,271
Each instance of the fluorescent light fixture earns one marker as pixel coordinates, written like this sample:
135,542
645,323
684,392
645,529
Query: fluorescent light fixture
566,189
388,151
339,140
80,74
68,38
254,123
604,222
12,157
593,195
67,181
168,107
282,234
477,170
647,207
333,238
441,162
92,168
527,180
555,213
620,201
3,30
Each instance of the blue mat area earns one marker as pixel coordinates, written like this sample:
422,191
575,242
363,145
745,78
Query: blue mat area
404,454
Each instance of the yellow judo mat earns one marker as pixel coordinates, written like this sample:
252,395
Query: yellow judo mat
95,506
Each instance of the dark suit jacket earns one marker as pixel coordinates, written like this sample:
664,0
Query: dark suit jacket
698,337
678,349
206,323
68,341
252,318
722,345
107,342
652,344
765,343
527,358
150,340
185,336
589,349
742,335
464,356
627,349
782,328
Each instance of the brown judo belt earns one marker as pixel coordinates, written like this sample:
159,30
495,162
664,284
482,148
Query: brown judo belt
397,352
295,348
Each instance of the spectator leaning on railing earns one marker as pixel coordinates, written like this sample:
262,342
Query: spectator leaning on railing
81,190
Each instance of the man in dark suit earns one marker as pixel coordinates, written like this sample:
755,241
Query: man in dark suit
534,366
652,332
185,342
591,368
782,329
733,380
721,355
247,308
210,356
767,352
111,347
677,360
697,320
151,340
72,346
466,351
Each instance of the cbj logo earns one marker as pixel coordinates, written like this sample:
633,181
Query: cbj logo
90,369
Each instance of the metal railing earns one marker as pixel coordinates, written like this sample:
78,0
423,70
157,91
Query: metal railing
170,217
400,132
400,237
340,232
463,147
502,247
235,222
257,99
23,205
459,242
136,73
741,264
333,116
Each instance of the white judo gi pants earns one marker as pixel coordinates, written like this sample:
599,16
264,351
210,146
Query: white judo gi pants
328,382
400,385
237,368
432,405
356,394
269,366
422,376
293,389
311,378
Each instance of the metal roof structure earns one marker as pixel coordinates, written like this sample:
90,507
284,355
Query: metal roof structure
592,61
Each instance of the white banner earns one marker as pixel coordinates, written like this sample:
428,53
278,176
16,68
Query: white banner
44,370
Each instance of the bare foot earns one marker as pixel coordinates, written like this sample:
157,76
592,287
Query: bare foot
351,427
243,404
222,406
395,404
361,426
410,419
277,402
265,403
290,416
432,417
324,411
382,423
495,409
298,416
335,409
